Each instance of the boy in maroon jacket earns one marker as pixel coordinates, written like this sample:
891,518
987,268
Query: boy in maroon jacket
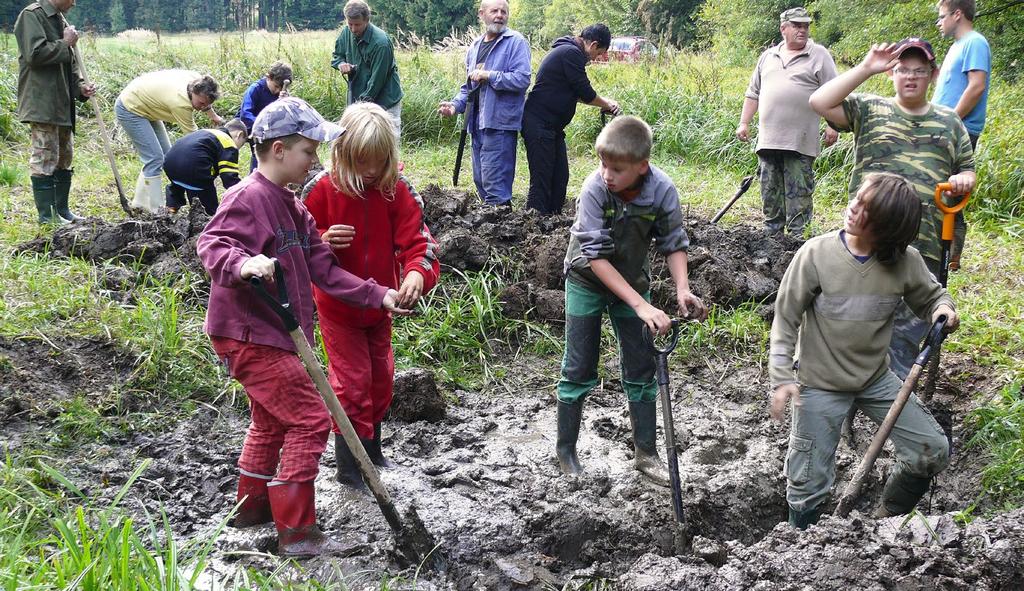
261,221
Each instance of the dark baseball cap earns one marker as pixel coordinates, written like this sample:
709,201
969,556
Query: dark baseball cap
914,43
291,115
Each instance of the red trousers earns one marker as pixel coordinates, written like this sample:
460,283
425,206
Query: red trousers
361,369
290,422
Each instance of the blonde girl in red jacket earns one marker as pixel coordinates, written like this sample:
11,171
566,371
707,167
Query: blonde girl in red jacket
366,211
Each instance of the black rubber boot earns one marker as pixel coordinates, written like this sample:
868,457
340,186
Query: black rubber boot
570,415
45,193
62,188
901,493
644,417
374,451
804,519
348,470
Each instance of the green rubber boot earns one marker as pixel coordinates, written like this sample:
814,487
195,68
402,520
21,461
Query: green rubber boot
804,519
644,417
901,493
62,186
570,415
45,193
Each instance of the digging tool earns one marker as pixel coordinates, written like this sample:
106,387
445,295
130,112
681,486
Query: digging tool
744,185
103,127
666,410
411,537
948,218
932,344
284,88
462,134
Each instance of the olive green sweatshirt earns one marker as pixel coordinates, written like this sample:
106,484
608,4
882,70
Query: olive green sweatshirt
842,310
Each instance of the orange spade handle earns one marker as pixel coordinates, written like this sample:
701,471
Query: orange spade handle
948,212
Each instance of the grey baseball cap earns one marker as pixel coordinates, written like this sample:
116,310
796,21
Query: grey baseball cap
795,15
290,115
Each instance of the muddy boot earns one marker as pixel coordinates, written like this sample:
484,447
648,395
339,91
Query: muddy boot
804,519
570,414
255,509
294,512
901,493
373,449
348,470
643,416
62,186
44,192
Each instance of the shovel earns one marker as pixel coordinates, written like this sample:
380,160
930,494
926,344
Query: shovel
666,412
412,538
744,185
932,343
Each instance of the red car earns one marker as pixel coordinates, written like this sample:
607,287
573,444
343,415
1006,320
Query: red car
629,49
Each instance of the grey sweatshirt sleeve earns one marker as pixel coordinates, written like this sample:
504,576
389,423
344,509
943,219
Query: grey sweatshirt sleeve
595,239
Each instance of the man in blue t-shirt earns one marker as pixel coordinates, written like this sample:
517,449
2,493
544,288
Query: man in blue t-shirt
963,84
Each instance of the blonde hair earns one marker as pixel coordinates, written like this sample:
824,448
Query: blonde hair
368,136
625,139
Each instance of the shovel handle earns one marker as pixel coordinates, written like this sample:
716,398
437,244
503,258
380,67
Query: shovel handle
948,211
280,305
936,335
673,341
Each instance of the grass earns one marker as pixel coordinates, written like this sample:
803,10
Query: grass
55,538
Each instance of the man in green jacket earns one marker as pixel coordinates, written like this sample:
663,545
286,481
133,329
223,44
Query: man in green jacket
48,81
365,54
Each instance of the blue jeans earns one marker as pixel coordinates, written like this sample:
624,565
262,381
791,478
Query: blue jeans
494,164
149,138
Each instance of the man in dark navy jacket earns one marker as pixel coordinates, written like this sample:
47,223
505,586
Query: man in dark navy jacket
561,83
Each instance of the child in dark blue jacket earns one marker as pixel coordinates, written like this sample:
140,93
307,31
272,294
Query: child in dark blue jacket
260,94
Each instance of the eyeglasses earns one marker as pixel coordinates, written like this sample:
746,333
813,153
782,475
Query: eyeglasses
915,73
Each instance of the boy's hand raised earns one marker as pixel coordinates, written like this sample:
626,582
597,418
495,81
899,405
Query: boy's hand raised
690,306
657,321
781,395
257,266
880,58
391,304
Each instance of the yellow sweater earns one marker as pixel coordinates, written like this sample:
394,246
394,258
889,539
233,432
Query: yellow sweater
162,96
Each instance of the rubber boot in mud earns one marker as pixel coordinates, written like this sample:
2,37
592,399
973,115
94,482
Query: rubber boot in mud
570,415
643,416
348,471
804,519
45,193
373,449
62,186
294,512
901,493
255,508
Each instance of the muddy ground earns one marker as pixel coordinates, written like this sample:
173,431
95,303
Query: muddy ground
481,471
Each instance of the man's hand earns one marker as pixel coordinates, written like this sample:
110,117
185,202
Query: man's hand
781,395
411,290
690,306
390,304
480,75
346,68
258,266
743,132
446,109
952,320
215,118
657,321
962,183
613,107
831,136
70,35
880,58
339,236
87,90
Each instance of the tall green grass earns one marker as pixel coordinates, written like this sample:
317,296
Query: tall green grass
999,429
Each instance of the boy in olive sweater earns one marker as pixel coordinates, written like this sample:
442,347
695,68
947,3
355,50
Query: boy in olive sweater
836,304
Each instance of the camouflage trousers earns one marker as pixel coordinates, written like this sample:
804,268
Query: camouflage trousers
907,333
787,184
52,148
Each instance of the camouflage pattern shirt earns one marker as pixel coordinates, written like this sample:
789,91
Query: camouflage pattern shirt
925,149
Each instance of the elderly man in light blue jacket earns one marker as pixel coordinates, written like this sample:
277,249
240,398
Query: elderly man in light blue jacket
498,74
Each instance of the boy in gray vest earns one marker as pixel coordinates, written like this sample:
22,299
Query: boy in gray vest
623,205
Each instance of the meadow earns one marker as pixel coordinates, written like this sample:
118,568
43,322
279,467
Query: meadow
54,536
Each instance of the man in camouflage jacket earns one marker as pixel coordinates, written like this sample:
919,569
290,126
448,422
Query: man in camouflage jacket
906,135
48,82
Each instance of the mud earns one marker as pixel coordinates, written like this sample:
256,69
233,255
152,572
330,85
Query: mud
479,465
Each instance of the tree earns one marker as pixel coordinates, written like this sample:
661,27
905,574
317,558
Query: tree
670,20
117,17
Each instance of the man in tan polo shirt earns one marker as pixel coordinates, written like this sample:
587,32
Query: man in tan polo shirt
788,136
